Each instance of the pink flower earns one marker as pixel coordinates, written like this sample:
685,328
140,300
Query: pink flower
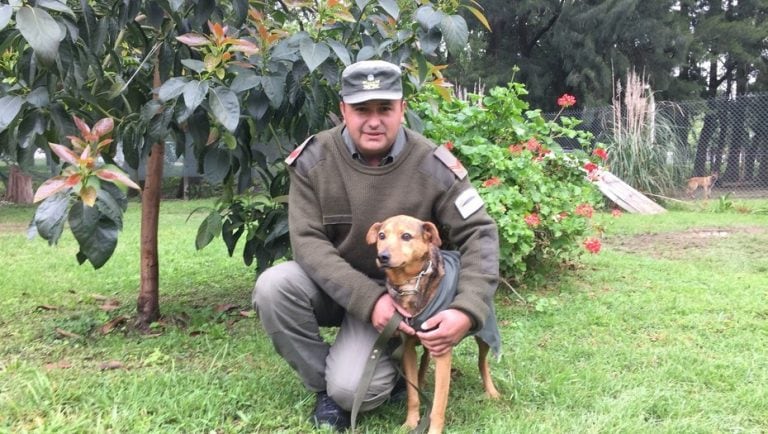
492,182
616,212
515,149
533,145
584,210
593,245
566,100
532,219
600,153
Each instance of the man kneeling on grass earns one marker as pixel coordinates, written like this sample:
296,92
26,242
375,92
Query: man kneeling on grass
342,181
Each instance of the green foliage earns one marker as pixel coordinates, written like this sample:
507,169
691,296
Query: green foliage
538,194
238,82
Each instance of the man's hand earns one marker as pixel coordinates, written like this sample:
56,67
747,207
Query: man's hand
382,313
446,329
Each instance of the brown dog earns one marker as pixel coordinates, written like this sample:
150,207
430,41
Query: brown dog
705,182
408,251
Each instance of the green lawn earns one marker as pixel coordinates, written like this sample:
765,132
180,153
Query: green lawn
664,331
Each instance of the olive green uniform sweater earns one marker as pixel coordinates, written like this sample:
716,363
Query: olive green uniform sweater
334,200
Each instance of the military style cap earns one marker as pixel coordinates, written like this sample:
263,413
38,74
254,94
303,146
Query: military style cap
371,79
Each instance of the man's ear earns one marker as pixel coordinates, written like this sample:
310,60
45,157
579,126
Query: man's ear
431,234
373,233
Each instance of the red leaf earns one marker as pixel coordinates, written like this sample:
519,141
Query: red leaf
82,126
64,153
63,333
116,176
61,364
103,126
53,186
193,39
224,308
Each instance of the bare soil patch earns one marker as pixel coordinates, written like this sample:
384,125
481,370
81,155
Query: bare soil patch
673,245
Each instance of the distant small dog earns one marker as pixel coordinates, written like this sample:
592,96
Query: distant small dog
408,251
705,182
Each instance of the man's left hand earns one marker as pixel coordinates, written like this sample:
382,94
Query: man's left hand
446,329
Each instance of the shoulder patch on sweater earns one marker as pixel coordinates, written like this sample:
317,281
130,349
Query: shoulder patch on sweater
468,202
444,155
296,152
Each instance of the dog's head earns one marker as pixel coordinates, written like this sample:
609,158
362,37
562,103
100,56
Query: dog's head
403,242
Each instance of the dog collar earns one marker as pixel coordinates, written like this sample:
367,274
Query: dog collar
416,282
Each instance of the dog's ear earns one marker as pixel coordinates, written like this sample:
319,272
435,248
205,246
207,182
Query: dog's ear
373,233
431,234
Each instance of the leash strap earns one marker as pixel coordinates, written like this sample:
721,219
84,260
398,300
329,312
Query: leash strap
379,347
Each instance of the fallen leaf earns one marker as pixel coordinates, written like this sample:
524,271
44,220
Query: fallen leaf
61,364
221,308
247,313
112,364
99,297
66,334
47,307
110,305
114,323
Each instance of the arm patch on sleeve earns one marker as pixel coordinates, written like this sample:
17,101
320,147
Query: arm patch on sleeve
468,202
296,152
444,155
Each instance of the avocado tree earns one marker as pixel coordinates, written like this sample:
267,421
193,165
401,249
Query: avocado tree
237,82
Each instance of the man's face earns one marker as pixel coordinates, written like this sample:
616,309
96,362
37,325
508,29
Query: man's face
373,125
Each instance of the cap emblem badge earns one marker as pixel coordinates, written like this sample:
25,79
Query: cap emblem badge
371,83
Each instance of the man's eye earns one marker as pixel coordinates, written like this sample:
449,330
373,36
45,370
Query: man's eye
382,236
406,237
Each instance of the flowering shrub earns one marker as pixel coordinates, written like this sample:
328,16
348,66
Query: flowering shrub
540,196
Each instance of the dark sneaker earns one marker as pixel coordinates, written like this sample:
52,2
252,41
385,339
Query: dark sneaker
327,412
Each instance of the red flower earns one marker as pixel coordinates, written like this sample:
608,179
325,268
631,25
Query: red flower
584,210
448,145
492,182
593,245
566,100
590,167
532,219
601,153
515,149
616,212
533,145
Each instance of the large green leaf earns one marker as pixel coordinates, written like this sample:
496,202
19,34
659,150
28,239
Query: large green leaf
9,108
194,93
5,15
225,107
172,88
56,5
50,217
40,30
96,234
216,164
341,51
391,7
313,53
274,87
455,32
208,230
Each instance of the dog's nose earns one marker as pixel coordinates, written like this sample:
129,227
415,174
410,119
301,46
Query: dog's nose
384,258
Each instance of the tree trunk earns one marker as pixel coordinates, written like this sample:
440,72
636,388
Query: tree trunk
707,132
19,186
148,303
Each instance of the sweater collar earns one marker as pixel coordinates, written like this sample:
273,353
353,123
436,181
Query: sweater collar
394,151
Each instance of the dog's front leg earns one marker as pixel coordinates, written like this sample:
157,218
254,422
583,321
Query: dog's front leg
442,386
411,379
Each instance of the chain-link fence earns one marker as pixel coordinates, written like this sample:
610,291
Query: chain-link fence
723,136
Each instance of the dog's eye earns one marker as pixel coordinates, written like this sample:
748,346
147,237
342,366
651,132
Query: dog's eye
382,235
406,237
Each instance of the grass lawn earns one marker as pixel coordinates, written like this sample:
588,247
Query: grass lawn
664,331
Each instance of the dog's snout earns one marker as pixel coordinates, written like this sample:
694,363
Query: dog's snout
384,257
